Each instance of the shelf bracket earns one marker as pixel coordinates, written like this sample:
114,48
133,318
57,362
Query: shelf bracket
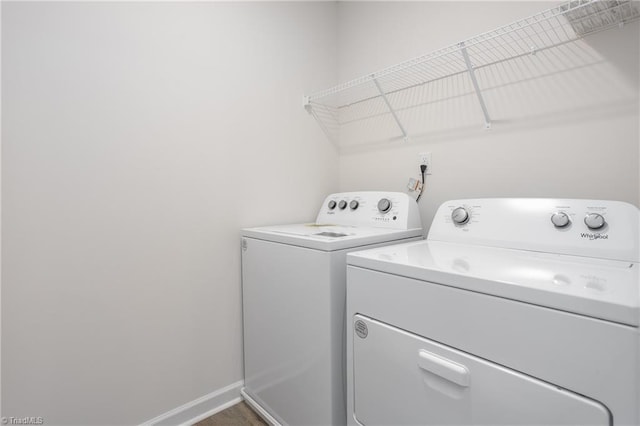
306,103
474,81
393,112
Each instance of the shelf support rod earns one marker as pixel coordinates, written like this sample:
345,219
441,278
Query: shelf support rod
393,112
474,81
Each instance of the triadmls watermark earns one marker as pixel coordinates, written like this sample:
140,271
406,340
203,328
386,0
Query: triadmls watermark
23,420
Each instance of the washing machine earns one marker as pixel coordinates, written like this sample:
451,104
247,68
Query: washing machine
511,312
293,290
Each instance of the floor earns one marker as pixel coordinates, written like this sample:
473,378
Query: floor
237,415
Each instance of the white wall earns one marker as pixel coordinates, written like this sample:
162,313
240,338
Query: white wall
137,139
565,122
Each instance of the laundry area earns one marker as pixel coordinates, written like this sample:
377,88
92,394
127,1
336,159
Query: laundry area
320,213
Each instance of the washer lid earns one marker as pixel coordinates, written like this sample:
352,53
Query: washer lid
598,288
328,237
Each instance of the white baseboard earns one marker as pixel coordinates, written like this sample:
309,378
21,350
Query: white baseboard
258,409
201,408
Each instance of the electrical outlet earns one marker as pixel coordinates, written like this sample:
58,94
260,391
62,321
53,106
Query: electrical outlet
425,158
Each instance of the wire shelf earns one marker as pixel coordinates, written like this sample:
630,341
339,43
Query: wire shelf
375,98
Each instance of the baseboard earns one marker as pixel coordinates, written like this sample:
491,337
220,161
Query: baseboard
201,408
258,409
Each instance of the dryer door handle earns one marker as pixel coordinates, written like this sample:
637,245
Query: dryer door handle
447,369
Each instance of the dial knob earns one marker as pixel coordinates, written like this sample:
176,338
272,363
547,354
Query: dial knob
460,215
353,204
594,221
560,219
342,204
384,205
331,205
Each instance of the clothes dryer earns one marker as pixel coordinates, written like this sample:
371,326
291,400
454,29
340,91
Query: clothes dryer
512,312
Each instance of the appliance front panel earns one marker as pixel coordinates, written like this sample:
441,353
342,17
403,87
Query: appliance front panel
590,357
404,379
288,341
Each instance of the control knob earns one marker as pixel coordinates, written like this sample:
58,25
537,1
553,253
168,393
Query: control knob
560,219
342,205
384,205
353,204
331,205
594,221
460,216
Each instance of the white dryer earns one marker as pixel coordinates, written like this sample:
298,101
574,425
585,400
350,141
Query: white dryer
293,285
512,312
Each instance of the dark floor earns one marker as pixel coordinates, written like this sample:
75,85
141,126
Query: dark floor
237,415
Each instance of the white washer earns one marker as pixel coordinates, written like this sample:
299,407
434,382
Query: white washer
512,312
293,284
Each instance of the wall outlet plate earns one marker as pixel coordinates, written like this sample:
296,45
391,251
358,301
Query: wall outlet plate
425,158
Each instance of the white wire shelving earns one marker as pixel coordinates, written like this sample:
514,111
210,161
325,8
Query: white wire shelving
378,96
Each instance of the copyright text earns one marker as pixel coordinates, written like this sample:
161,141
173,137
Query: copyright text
22,420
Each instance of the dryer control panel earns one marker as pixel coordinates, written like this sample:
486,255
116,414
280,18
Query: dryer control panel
593,228
392,210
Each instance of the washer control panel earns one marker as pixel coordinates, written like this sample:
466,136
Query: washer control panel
597,228
395,210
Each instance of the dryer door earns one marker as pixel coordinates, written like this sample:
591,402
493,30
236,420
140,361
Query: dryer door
404,379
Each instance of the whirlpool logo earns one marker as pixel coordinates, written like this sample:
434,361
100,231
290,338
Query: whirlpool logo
592,237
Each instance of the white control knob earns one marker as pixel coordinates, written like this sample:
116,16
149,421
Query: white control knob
594,221
560,219
384,205
342,205
353,204
460,216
